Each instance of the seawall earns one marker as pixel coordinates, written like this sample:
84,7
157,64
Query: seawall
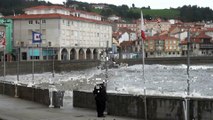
158,107
25,67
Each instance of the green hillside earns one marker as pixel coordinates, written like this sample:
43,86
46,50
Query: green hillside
163,13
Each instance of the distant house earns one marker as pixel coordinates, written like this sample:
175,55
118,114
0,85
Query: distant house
209,25
99,6
178,32
114,18
201,45
153,26
127,50
209,32
130,26
124,34
162,46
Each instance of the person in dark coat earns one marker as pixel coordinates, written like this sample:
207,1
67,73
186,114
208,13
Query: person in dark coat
100,99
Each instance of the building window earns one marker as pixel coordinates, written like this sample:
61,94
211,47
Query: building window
43,21
68,23
22,44
49,44
34,57
30,22
37,22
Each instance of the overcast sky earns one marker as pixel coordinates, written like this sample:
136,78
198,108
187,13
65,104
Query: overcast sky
154,4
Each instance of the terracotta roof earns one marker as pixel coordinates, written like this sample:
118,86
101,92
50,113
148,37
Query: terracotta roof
60,7
203,35
127,43
53,16
197,38
209,30
183,42
125,29
47,7
162,37
199,35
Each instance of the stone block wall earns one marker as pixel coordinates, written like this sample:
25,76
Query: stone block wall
27,93
158,107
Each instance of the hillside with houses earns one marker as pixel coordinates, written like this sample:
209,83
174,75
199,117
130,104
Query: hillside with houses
67,32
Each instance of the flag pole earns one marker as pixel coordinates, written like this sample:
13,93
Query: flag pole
32,65
143,62
188,80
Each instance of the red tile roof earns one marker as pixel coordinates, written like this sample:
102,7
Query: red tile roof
47,7
195,40
127,43
125,29
55,16
60,7
183,42
162,37
209,30
203,35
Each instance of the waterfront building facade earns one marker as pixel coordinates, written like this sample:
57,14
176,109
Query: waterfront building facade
64,36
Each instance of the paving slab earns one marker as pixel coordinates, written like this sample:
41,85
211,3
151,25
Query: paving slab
18,109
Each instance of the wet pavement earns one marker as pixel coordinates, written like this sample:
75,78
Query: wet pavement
18,109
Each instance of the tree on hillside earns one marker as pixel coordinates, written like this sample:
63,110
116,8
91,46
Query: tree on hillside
194,13
107,12
123,10
81,5
9,7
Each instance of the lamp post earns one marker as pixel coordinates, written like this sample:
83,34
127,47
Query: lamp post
187,100
53,53
18,70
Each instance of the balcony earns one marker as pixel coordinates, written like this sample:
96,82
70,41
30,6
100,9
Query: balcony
206,46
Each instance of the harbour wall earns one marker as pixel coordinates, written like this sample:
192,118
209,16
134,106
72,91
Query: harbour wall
25,67
170,60
34,94
158,107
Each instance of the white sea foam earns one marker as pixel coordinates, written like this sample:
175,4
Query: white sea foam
159,80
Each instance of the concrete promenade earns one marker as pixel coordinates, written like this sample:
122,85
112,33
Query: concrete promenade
18,109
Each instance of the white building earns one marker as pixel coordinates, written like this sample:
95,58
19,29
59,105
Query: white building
99,6
65,36
84,14
124,37
114,18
